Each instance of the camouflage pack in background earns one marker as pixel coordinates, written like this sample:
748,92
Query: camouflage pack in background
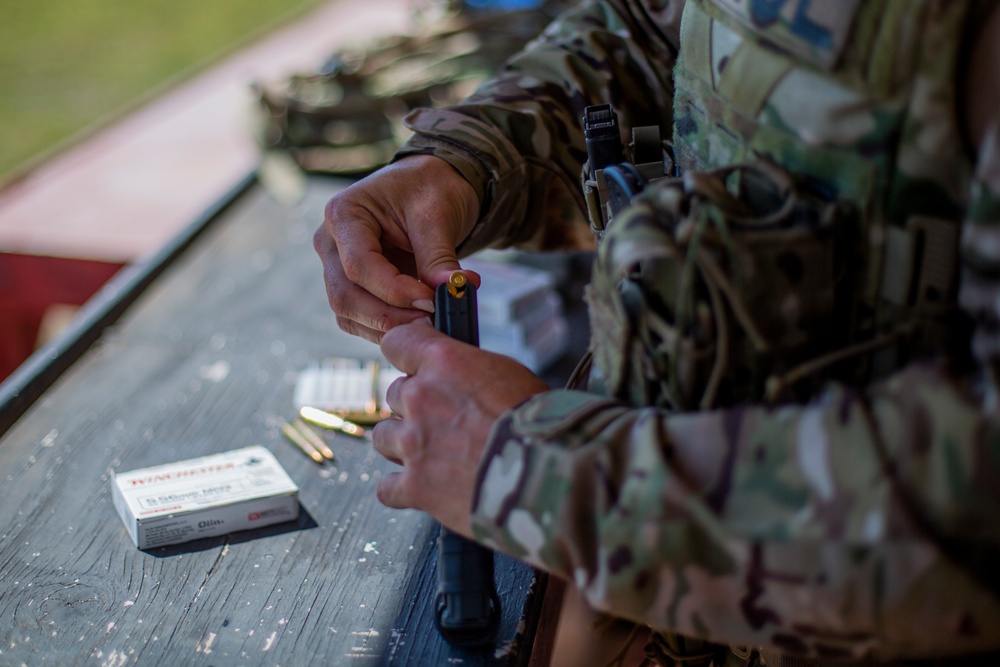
346,117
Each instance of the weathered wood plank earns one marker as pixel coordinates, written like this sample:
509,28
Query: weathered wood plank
415,638
206,361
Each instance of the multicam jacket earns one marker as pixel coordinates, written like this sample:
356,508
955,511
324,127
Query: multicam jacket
860,522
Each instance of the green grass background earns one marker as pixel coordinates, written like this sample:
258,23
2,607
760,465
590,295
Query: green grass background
67,66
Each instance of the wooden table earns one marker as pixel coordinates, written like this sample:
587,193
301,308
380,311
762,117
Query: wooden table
205,360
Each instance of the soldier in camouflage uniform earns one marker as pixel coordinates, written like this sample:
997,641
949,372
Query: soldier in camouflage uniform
789,444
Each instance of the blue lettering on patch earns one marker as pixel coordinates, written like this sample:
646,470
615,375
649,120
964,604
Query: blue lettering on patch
803,26
764,13
814,31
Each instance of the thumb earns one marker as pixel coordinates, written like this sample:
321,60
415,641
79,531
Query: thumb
436,259
450,214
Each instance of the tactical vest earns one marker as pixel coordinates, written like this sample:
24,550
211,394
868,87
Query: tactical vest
810,229
812,234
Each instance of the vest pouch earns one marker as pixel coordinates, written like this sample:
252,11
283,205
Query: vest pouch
709,284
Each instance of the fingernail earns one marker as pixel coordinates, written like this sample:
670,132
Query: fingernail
425,305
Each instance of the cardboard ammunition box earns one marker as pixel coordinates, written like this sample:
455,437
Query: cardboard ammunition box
204,497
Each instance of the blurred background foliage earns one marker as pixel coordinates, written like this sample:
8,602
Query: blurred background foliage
69,66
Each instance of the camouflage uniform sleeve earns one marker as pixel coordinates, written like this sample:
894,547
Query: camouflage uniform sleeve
862,523
519,139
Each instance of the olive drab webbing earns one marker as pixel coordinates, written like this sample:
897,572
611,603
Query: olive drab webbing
740,279
726,286
715,287
861,99
735,274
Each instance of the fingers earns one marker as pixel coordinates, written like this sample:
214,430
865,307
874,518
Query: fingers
350,242
388,491
433,479
360,313
358,310
444,207
392,488
386,437
436,257
405,347
393,397
389,239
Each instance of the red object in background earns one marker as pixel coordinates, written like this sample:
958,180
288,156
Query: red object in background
30,285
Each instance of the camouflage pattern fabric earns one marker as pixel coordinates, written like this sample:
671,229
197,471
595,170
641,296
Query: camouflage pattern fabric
682,300
518,139
860,523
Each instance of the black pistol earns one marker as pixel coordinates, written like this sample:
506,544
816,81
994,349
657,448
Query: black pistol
467,607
